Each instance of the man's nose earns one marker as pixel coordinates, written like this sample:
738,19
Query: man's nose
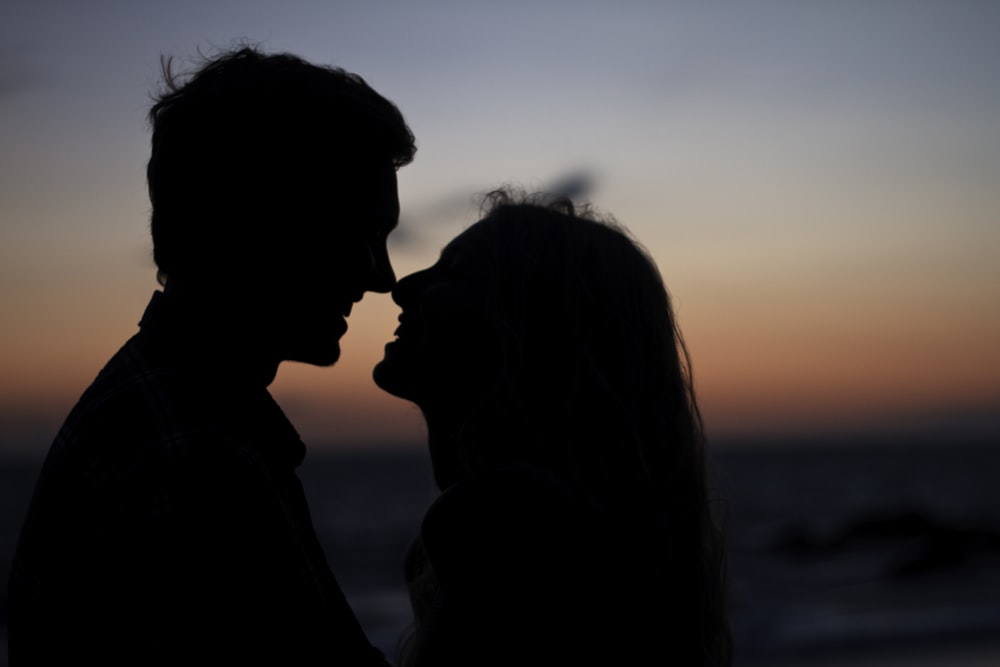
409,288
383,279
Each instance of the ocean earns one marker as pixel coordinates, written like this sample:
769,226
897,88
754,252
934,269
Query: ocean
836,551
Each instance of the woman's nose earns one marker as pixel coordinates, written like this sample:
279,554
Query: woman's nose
407,287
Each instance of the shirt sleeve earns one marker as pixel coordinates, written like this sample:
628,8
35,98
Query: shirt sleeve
247,575
216,564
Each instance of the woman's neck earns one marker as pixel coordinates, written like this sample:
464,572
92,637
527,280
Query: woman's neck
443,444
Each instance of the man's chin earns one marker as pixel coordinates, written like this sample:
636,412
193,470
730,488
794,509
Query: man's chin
318,357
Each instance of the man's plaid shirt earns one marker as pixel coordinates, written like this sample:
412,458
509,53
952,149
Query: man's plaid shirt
168,525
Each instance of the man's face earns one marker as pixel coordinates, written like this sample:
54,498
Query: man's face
328,267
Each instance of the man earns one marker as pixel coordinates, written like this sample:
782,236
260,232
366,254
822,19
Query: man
168,525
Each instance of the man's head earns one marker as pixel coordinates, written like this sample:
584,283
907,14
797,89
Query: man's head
272,182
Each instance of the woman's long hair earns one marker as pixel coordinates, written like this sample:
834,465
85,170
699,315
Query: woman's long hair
595,386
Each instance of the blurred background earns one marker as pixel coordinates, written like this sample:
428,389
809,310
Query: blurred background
817,181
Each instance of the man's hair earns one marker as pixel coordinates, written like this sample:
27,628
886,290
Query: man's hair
235,139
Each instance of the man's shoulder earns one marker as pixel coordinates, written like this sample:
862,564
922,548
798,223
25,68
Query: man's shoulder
141,410
130,394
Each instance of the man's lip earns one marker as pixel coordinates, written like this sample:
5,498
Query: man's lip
346,309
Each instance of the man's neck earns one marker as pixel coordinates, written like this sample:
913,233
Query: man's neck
221,330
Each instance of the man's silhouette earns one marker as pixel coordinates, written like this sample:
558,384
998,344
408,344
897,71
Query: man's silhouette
168,525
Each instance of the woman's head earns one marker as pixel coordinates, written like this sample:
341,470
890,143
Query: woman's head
545,335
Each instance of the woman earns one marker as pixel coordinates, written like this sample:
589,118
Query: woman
573,525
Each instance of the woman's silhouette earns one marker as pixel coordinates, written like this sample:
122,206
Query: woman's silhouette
573,524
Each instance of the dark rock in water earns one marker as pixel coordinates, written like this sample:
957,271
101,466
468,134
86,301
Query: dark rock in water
923,543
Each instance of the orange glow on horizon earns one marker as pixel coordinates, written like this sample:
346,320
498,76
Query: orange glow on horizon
836,361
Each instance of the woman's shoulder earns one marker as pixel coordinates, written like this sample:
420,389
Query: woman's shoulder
526,513
519,492
513,513
519,547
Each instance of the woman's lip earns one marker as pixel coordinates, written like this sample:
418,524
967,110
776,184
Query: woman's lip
405,321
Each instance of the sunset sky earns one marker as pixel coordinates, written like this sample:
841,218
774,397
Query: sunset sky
819,183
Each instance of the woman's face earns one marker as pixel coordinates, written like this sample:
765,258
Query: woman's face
447,345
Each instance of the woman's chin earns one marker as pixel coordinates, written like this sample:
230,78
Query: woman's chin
389,377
